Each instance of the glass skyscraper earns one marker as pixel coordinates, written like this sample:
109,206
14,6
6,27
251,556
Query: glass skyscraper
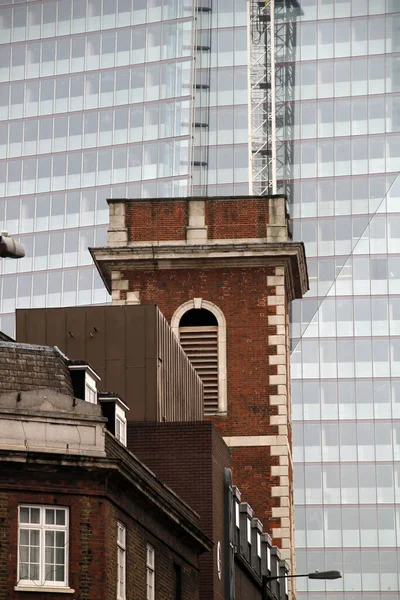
149,98
109,98
344,144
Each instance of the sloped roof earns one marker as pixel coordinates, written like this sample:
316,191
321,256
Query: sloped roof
26,367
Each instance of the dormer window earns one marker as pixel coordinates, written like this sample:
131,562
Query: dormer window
237,514
120,424
258,544
84,381
248,531
115,410
90,393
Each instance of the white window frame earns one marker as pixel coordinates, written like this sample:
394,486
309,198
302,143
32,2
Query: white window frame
121,561
90,394
90,388
237,514
222,362
150,572
248,526
120,425
42,527
258,544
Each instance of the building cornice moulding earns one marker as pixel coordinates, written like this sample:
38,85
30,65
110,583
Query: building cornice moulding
218,255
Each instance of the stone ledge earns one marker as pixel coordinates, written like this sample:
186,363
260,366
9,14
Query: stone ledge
43,588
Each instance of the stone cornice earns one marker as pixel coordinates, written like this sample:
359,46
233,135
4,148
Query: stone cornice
133,475
216,255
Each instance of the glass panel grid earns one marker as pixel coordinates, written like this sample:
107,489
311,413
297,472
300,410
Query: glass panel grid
344,362
95,101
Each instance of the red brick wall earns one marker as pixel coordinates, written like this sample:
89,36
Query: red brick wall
242,295
87,566
228,218
95,505
231,219
252,473
156,221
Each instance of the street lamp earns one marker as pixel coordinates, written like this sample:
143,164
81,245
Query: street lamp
316,575
9,248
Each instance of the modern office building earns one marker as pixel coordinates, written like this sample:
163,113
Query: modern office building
97,100
344,144
103,98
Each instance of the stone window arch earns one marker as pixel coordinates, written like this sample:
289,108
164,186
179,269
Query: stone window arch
200,327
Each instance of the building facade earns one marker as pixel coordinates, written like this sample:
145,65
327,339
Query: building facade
80,515
78,62
224,271
344,144
94,507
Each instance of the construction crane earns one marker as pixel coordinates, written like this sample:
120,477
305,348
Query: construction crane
271,46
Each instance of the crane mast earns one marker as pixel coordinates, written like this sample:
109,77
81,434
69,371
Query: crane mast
262,98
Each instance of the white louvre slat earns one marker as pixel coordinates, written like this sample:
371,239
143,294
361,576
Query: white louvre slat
201,347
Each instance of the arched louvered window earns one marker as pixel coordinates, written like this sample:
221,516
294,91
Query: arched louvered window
198,334
200,327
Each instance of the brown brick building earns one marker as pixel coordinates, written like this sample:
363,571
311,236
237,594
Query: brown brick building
223,271
80,514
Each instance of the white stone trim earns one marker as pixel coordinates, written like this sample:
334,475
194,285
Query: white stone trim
222,366
196,231
248,441
284,510
133,297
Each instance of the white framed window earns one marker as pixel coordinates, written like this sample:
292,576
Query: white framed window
200,327
90,394
42,546
268,559
121,561
150,572
259,544
237,514
120,425
248,531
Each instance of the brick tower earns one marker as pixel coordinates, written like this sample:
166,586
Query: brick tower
223,271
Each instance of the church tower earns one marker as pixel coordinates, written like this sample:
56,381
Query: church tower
223,271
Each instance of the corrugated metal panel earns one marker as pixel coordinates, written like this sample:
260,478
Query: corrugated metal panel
132,348
180,391
201,346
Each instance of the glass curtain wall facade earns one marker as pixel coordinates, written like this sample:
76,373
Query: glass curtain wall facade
344,144
149,98
95,102
110,98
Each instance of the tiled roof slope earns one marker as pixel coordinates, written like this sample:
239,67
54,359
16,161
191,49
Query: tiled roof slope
25,367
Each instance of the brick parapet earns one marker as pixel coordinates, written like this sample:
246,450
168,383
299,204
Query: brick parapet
160,220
